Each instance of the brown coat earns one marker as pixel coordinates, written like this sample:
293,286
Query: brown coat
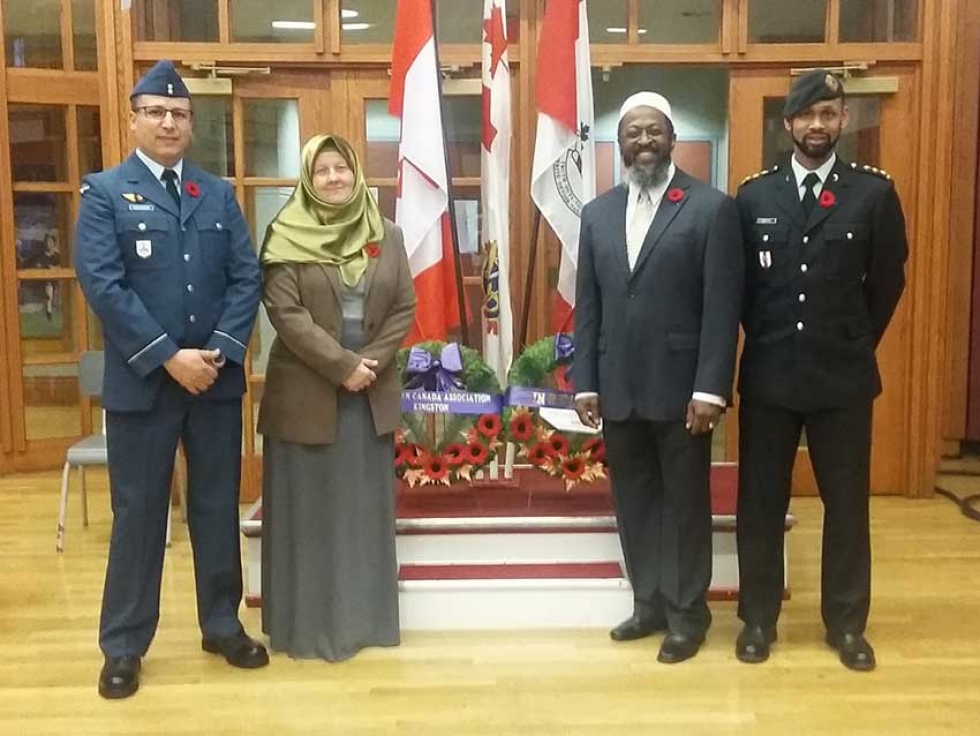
307,364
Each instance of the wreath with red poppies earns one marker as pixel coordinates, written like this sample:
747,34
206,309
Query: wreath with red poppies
433,449
573,457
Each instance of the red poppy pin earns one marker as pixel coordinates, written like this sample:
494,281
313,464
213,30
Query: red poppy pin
373,250
827,198
192,189
675,195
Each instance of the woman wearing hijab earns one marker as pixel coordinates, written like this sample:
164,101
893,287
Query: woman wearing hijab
339,293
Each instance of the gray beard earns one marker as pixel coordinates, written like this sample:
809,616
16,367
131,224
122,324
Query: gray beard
651,176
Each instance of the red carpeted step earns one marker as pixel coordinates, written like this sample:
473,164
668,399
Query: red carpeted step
537,571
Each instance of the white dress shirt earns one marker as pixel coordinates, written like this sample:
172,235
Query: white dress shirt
823,172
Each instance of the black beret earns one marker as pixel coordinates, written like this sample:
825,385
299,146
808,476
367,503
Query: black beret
162,81
814,86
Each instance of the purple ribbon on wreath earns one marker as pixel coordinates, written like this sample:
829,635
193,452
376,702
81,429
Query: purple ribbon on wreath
427,372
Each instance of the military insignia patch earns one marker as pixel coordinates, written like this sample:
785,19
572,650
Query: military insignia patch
144,248
134,198
84,188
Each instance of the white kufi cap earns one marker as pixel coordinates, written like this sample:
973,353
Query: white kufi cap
646,99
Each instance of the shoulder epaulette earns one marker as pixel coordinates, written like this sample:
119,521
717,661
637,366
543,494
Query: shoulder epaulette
873,170
759,174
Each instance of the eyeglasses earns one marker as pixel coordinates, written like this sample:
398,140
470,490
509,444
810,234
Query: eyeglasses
158,114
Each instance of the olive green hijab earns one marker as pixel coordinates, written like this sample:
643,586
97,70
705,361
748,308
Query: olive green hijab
309,230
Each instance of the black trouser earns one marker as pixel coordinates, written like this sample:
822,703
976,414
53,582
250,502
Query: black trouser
141,448
839,445
660,479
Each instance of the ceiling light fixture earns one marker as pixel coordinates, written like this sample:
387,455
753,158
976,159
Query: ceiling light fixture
348,13
356,26
293,25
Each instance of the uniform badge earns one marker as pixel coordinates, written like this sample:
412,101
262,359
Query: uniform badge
765,258
134,198
144,248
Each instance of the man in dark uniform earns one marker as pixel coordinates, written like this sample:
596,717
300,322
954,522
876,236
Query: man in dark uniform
656,331
166,262
825,253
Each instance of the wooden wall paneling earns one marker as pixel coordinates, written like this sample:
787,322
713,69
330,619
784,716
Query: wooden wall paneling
6,278
110,109
333,21
125,77
11,381
67,36
929,265
319,31
961,226
833,22
52,87
224,21
973,394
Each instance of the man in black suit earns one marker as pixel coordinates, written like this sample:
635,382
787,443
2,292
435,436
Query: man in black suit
825,252
660,267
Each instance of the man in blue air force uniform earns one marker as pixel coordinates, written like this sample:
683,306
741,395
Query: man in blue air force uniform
825,252
166,262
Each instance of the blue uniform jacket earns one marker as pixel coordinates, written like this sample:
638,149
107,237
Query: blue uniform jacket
160,279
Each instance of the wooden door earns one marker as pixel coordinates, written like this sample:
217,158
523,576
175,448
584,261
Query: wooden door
882,109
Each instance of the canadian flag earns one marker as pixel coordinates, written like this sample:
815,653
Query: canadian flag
421,208
498,323
563,172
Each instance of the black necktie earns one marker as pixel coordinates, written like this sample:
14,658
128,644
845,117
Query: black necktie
170,180
809,198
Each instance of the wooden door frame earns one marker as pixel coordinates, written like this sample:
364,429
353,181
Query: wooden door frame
892,420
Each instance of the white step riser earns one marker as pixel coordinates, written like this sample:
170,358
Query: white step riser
501,604
516,548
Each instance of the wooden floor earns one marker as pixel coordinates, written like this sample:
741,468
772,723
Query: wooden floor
925,626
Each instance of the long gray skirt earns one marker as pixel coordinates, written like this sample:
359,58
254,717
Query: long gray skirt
329,571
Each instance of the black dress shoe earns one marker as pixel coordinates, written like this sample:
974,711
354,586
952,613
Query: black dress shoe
855,651
239,650
678,647
120,677
637,627
753,643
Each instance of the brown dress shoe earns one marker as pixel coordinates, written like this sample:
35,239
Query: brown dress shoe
120,677
239,650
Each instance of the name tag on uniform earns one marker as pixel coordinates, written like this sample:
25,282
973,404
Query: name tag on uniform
142,207
766,220
144,248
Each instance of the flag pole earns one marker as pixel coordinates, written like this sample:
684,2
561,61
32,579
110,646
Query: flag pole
464,326
532,261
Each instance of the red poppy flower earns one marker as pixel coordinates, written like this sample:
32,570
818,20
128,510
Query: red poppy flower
675,195
192,189
559,445
401,455
596,449
373,250
489,425
522,426
540,453
454,454
436,467
415,455
573,468
476,453
827,198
